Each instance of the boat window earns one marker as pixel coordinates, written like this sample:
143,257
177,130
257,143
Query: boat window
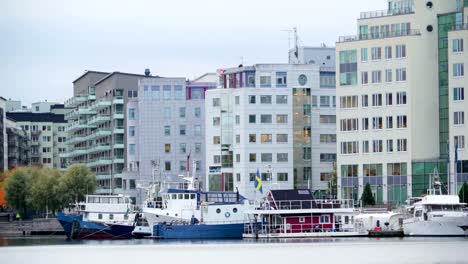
186,196
301,219
192,196
418,213
324,219
111,217
346,219
218,211
104,200
121,200
174,196
180,196
234,210
99,216
126,217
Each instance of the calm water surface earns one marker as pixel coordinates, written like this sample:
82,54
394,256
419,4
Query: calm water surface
46,250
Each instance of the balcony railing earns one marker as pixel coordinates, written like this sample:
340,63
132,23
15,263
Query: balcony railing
457,27
308,204
380,35
387,12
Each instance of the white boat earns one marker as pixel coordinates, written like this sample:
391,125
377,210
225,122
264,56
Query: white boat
436,214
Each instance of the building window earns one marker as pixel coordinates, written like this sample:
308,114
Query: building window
167,166
389,122
182,148
265,81
388,75
327,157
198,147
266,138
252,99
281,138
182,130
237,119
400,51
328,138
307,110
348,67
265,119
282,157
365,101
281,99
389,99
252,138
459,94
402,145
324,101
307,153
131,114
376,53
348,102
307,171
237,139
167,92
216,102
216,159
252,157
282,176
252,119
216,140
154,92
458,70
401,75
197,112
457,45
327,119
131,131
377,100
376,76
365,146
281,79
267,157
237,100
377,146
351,147
182,112
365,123
216,121
197,130
182,165
167,130
459,118
314,101
281,119
265,99
347,125
388,52
364,55
364,77
307,131
402,121
167,112
459,141
377,123
390,145
372,170
167,148
131,149
349,170
238,157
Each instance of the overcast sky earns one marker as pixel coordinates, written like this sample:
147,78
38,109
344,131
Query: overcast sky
46,44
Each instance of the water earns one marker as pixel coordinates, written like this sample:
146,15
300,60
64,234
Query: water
46,250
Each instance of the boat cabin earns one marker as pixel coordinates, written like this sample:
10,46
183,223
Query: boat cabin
107,208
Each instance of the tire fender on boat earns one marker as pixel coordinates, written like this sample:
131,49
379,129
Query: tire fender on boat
227,214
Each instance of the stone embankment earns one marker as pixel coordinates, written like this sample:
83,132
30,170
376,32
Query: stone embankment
41,226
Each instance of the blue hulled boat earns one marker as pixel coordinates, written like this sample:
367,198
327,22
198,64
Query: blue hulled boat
100,217
198,231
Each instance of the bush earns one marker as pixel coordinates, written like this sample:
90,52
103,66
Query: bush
367,197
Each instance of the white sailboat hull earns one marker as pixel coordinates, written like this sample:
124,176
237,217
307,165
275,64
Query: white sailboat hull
440,226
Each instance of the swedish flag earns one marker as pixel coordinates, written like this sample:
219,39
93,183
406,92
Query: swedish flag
258,184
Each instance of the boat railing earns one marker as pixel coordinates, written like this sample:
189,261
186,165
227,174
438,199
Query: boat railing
307,204
261,228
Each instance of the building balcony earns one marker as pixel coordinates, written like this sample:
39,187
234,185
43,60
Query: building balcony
99,119
91,97
119,146
119,160
458,27
118,115
76,139
74,101
36,132
75,126
387,12
103,176
381,35
100,104
119,130
100,132
78,152
99,162
118,100
103,190
99,148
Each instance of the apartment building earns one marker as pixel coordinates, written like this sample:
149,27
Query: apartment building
457,51
393,100
46,135
97,131
18,145
260,119
166,131
3,136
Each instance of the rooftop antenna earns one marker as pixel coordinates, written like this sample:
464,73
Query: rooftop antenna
289,37
296,52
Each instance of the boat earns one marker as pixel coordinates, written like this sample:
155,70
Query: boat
436,214
297,214
142,228
100,217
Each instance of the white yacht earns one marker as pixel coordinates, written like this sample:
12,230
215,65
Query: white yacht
436,214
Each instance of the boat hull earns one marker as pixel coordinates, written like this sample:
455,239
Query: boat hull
198,231
76,228
446,226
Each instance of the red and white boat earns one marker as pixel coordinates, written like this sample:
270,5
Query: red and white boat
296,213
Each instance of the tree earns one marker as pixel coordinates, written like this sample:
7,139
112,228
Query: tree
367,197
17,189
45,190
2,189
78,181
463,194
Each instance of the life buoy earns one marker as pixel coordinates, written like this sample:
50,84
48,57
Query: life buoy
227,214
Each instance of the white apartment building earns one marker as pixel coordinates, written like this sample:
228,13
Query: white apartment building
393,101
458,104
260,118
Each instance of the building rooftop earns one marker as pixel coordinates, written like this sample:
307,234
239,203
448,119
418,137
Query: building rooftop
86,72
124,73
36,117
